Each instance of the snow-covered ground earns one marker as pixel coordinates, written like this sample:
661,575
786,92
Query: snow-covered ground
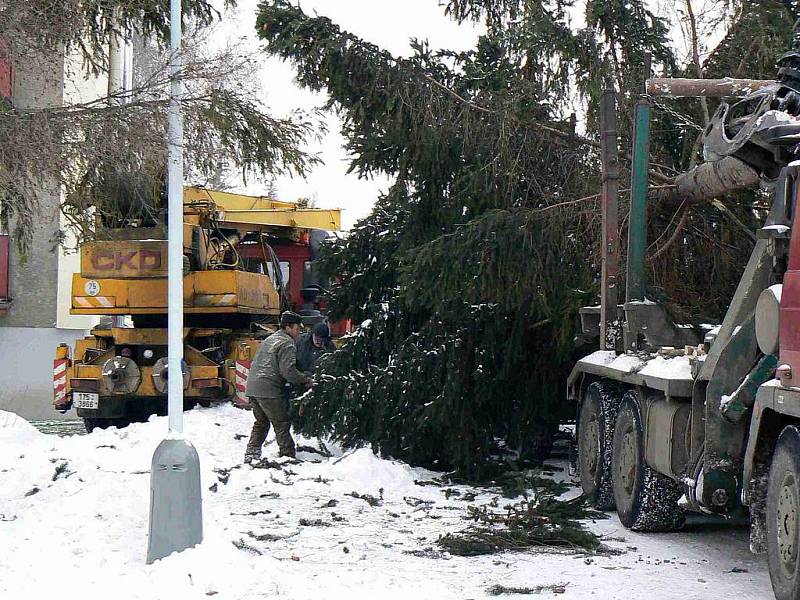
74,519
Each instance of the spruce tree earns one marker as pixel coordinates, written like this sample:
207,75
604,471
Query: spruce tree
467,277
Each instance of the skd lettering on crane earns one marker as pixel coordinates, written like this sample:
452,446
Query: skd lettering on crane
137,260
124,259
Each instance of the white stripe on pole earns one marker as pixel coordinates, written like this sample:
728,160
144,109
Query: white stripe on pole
175,230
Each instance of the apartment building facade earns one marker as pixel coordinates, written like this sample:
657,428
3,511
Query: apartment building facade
35,289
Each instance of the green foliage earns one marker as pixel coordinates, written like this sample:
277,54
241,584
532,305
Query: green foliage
366,261
440,392
502,590
544,521
527,482
470,271
256,142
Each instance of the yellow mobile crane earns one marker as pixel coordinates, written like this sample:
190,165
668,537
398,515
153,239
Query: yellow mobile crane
233,290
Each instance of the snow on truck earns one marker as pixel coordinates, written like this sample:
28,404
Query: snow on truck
246,259
673,419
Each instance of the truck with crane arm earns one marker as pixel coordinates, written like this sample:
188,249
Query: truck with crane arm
669,421
246,259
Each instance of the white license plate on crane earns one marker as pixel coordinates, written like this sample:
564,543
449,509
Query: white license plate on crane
85,400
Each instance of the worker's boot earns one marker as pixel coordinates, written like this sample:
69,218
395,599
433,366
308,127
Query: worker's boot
288,453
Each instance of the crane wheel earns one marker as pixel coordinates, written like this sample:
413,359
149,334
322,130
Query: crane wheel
645,499
783,516
595,434
92,423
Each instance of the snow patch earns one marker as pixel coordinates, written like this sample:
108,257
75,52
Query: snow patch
628,363
644,302
15,429
678,367
74,518
362,471
600,357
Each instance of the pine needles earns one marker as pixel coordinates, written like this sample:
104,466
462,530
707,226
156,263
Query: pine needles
502,590
541,522
469,273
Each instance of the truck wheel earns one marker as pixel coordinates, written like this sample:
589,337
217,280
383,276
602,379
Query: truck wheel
783,515
645,499
595,435
92,424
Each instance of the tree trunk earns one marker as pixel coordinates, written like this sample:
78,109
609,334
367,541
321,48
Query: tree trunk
708,88
708,181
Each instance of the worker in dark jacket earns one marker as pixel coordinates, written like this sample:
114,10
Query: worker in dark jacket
274,365
311,346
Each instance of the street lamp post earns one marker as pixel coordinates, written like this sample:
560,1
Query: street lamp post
176,517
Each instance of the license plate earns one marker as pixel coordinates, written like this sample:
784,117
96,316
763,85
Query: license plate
85,400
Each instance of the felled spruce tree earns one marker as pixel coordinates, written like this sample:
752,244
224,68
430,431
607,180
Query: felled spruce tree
467,276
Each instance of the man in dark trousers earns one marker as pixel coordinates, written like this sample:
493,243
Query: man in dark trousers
311,346
274,365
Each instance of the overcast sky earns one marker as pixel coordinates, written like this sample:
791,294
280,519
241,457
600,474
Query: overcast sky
389,24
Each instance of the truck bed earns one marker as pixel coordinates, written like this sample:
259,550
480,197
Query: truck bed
672,376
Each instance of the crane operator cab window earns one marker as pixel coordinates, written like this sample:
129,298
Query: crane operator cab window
285,273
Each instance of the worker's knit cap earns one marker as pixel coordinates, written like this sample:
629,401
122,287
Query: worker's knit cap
322,331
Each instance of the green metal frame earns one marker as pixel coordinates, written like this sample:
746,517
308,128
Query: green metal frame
637,224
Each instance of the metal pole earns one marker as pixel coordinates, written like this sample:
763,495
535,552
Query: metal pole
637,223
175,218
176,516
609,150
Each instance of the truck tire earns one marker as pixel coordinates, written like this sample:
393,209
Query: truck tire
595,441
783,516
92,423
645,499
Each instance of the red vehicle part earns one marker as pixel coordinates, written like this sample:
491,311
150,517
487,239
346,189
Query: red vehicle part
295,261
790,306
4,257
297,258
240,382
60,381
6,72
